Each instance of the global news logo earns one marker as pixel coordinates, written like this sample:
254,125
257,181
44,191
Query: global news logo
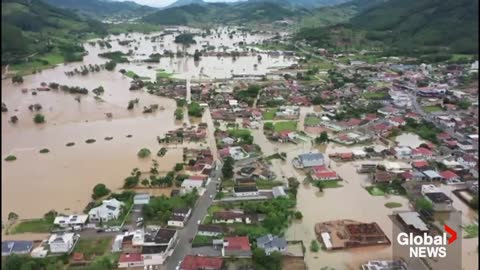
427,246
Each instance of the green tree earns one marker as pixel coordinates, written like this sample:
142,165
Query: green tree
178,114
99,191
323,138
263,262
227,169
39,118
194,109
110,65
298,215
474,202
12,216
145,182
143,153
131,182
423,204
314,246
178,167
17,79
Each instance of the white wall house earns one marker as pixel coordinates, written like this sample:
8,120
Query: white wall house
189,185
61,243
110,209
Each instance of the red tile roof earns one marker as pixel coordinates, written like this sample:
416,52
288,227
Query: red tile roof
237,243
130,257
448,175
326,174
422,151
420,163
191,262
197,177
397,119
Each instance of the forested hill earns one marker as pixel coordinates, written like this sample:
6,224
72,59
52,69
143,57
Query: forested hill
406,26
102,8
452,23
244,12
32,27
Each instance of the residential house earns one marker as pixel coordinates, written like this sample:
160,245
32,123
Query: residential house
412,222
468,160
231,217
383,177
245,191
141,199
386,265
110,209
157,246
432,175
402,152
179,217
440,201
412,176
420,164
278,191
449,176
323,173
465,145
61,243
309,160
72,221
189,185
128,260
196,262
270,244
422,153
237,246
397,121
210,230
16,247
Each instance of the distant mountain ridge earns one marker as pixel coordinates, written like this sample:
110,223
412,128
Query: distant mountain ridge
304,3
103,8
208,13
180,3
405,25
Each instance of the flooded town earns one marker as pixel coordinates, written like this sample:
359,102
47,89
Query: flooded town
234,147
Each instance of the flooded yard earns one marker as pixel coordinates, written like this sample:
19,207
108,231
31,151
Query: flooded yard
409,139
63,179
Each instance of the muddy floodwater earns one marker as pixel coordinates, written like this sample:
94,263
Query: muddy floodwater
63,179
409,139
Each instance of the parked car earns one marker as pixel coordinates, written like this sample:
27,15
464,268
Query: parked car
100,230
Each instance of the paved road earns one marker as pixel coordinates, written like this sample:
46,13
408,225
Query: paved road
183,245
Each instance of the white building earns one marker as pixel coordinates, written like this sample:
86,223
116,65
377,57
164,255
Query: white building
141,199
188,185
61,243
237,153
74,221
110,209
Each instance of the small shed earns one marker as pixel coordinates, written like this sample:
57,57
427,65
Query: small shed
141,199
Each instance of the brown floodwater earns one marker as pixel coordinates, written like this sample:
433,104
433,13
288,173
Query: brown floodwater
63,179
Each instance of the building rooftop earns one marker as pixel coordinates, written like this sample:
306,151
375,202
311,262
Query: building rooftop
413,219
237,243
191,262
245,189
438,197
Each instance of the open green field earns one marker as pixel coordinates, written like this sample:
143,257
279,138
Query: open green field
312,121
287,125
132,74
375,191
432,109
393,205
269,114
471,231
162,74
95,246
32,226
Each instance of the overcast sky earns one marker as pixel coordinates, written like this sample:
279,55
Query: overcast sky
162,3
